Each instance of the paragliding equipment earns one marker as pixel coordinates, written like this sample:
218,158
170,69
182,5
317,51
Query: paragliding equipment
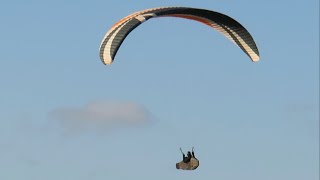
224,24
188,163
229,27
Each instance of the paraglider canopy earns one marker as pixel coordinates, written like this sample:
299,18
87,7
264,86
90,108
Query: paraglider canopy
220,22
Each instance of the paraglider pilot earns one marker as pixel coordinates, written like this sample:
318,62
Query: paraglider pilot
189,162
188,158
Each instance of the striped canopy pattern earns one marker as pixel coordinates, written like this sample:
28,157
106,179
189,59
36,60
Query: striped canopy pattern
226,25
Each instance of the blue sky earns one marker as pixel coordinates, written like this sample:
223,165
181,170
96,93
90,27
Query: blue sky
174,83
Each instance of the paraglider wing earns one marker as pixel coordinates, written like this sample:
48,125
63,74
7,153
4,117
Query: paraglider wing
222,23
